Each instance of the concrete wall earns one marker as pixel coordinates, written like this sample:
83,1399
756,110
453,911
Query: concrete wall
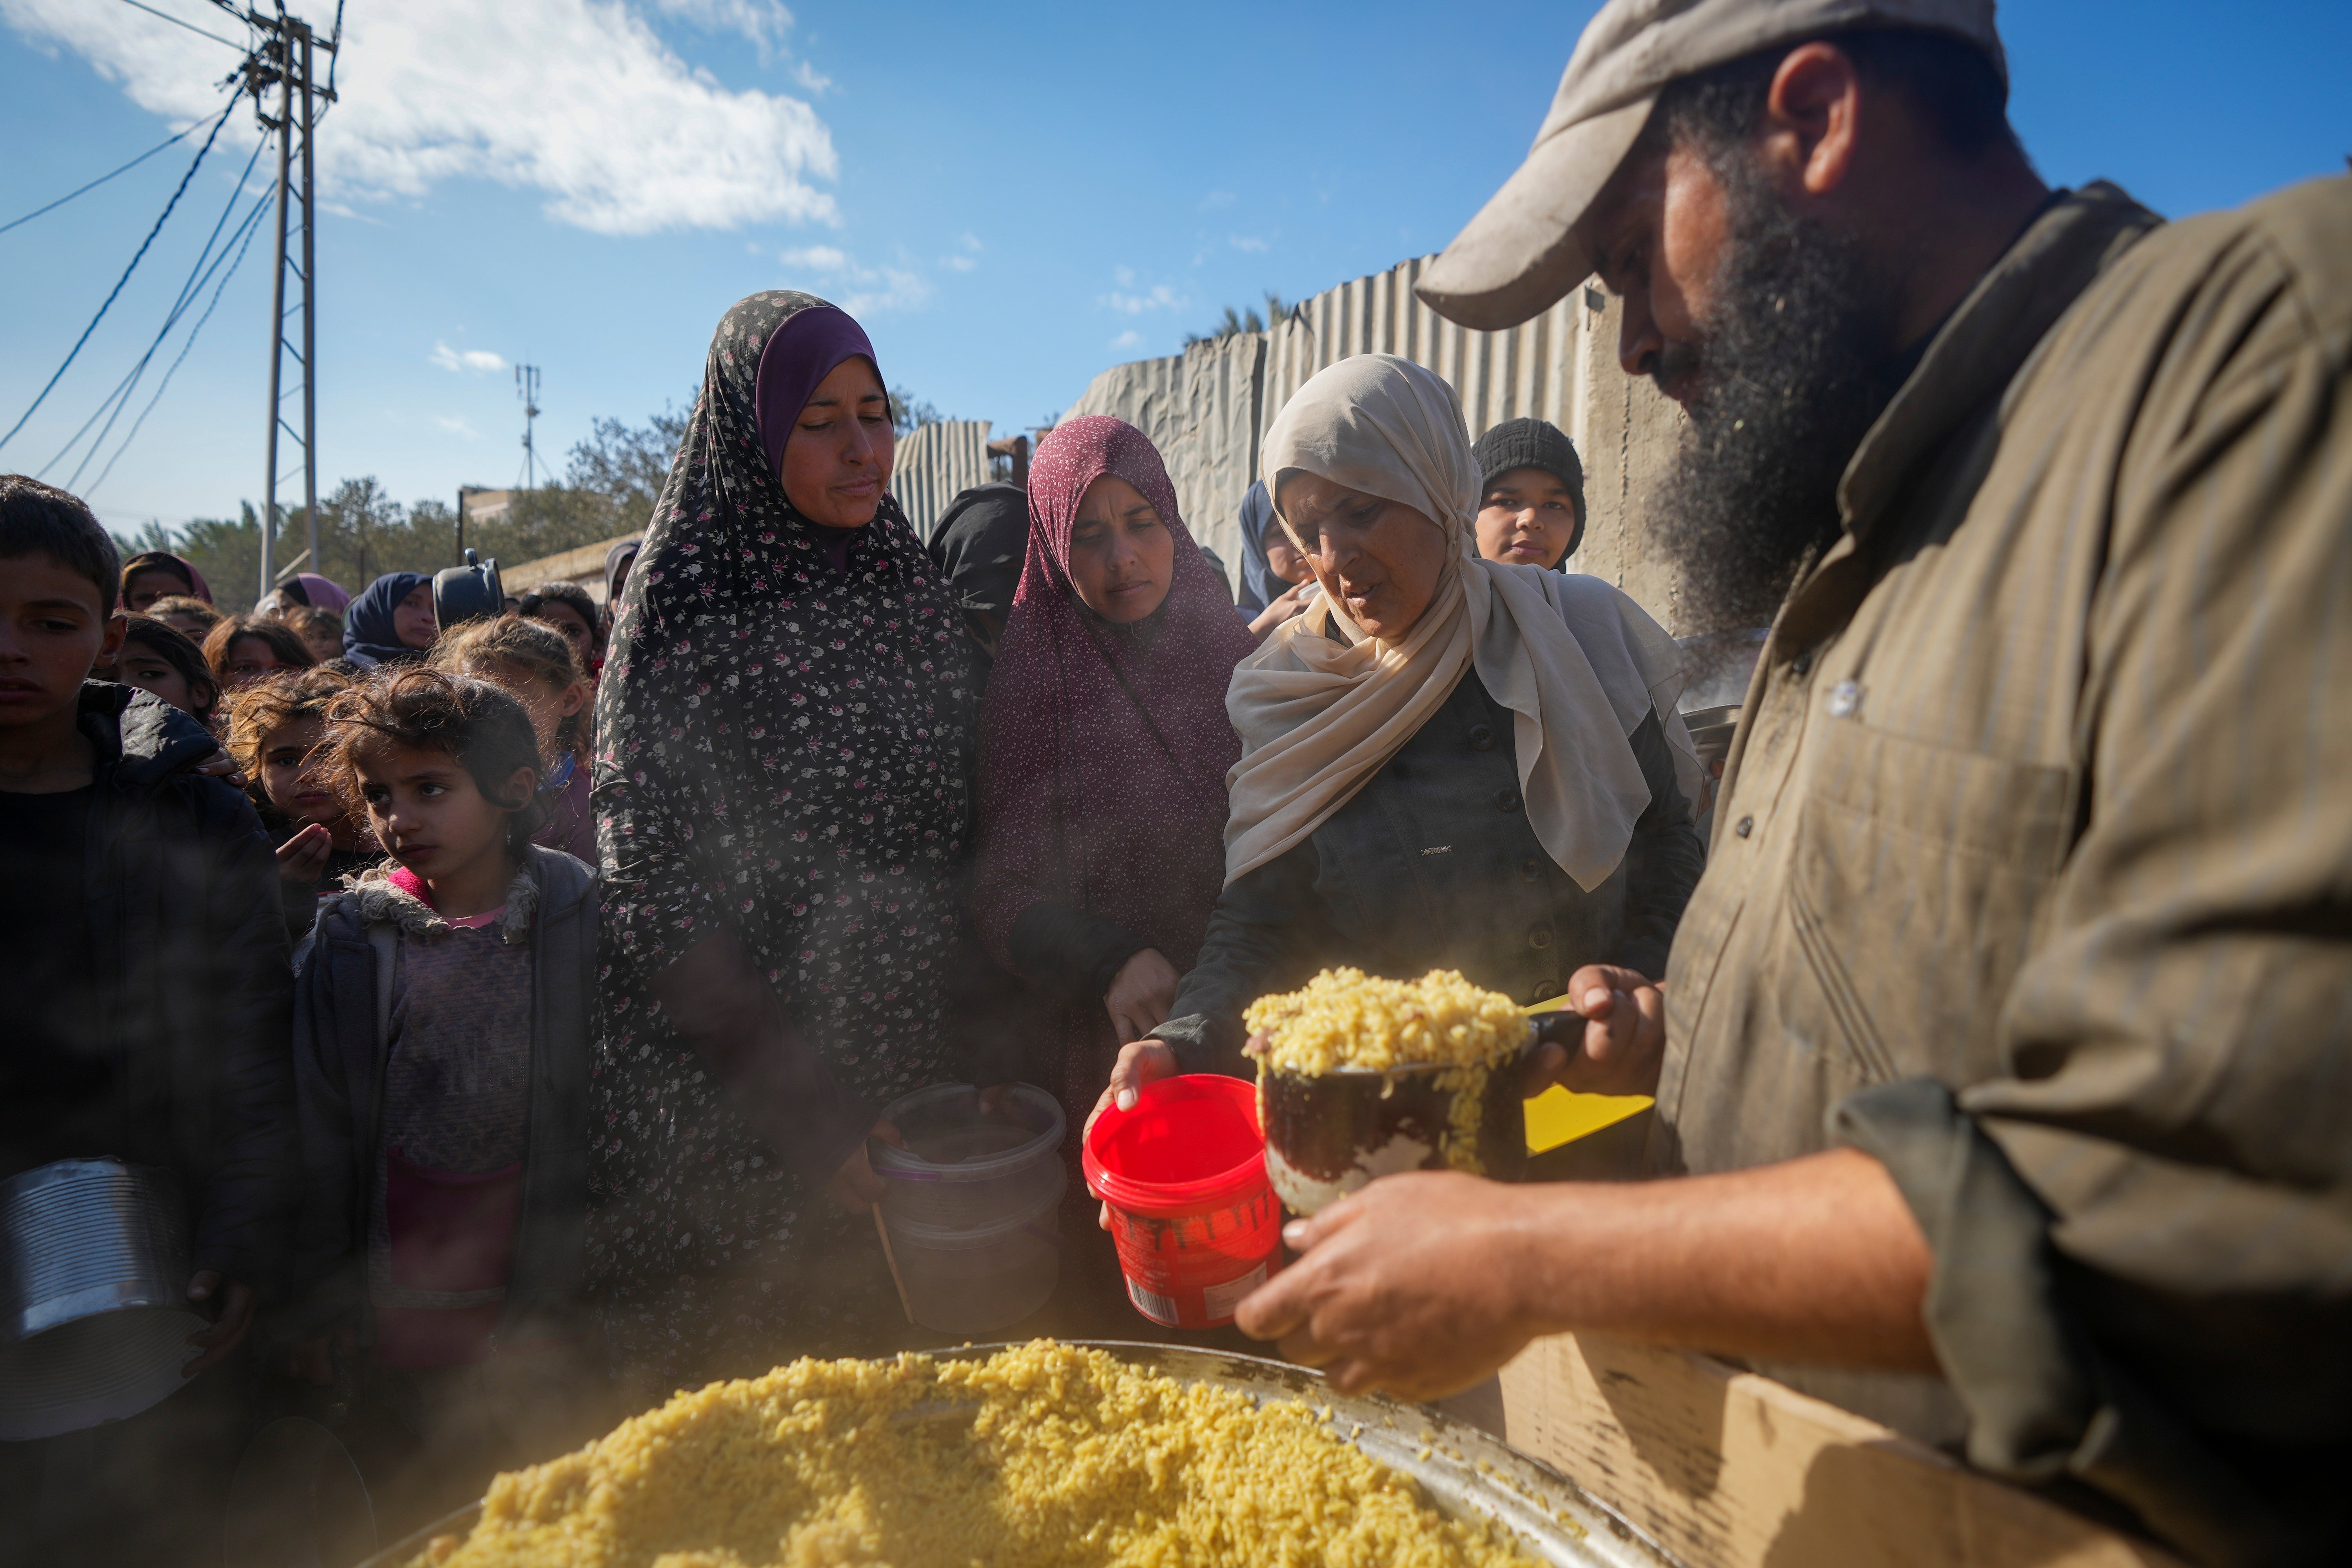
1208,409
584,567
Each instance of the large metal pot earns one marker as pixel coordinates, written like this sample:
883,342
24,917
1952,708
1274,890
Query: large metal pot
1462,1472
94,1314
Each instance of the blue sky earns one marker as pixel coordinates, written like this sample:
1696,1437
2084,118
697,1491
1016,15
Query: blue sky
1012,198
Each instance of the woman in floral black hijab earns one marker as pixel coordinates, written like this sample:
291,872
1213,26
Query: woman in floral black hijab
782,791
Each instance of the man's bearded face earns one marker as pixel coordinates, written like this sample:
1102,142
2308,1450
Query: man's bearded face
1795,359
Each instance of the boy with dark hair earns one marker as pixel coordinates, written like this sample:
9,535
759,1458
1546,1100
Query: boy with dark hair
145,967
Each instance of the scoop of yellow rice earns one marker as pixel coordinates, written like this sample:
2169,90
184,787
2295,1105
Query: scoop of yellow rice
1045,1453
1344,1017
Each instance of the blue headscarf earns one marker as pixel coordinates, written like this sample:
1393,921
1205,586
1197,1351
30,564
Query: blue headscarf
369,636
1260,586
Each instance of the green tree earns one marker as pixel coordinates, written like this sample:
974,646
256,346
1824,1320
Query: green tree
612,481
909,413
228,554
1239,321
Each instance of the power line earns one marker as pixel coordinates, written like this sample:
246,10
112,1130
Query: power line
252,226
127,271
126,168
188,289
216,37
120,396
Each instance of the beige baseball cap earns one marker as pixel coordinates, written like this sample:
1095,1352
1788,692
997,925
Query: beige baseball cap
1520,253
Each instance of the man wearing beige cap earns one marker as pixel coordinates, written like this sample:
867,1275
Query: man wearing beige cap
2004,1062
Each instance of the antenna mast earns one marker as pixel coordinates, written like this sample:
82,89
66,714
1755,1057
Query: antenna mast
527,388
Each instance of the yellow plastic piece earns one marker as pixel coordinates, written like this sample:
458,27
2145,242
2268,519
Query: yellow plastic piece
1556,1117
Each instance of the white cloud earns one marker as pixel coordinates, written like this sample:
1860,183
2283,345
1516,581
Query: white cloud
580,99
1162,298
1126,339
817,258
763,22
1247,242
809,77
959,263
1216,199
966,255
871,289
481,362
1123,276
457,426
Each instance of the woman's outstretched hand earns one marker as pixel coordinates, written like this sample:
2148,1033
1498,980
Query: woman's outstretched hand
1141,994
1624,1040
1139,1062
854,1186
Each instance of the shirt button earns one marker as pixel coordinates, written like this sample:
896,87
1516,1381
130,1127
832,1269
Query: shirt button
1530,871
1802,665
1506,800
1542,991
1482,739
1746,826
1540,938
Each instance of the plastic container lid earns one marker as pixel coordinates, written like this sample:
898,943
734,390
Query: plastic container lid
950,1139
1190,1144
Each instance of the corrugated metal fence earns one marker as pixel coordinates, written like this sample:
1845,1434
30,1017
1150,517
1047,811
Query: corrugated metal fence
1201,408
1530,370
1208,409
935,463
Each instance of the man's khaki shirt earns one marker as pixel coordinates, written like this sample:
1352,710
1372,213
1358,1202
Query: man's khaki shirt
2032,870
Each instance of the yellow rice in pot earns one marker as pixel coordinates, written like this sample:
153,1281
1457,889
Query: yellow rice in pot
1045,1453
1346,1019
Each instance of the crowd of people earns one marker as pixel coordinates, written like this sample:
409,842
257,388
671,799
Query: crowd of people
516,1001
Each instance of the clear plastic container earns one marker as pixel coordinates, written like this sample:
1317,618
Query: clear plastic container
966,1170
978,1279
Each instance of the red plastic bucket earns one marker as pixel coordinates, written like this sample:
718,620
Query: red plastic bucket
1197,1229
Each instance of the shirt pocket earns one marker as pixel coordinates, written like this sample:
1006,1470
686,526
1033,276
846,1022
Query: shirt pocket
1920,872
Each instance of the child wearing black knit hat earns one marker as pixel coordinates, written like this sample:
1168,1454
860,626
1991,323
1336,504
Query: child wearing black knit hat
1530,494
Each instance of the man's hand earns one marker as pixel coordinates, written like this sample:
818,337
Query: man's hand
302,859
1625,1036
854,1186
235,1316
1409,1286
1423,1283
1141,994
1139,1062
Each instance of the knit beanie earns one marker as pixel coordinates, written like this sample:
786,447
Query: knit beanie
1534,444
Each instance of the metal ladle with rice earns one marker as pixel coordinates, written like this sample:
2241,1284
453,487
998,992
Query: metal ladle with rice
1360,1078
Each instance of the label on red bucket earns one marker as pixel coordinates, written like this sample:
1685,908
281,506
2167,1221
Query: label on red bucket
1190,1271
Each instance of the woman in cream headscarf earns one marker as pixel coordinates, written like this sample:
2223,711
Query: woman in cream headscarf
1447,762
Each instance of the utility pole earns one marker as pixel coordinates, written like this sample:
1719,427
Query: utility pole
285,62
527,388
